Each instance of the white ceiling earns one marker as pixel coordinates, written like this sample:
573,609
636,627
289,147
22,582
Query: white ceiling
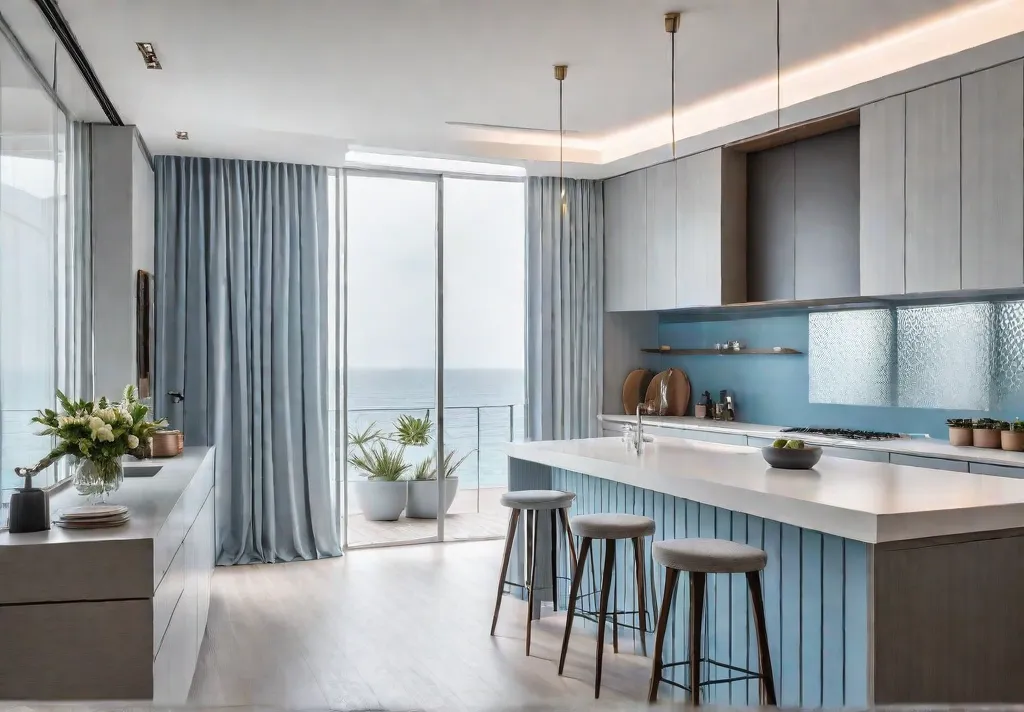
301,80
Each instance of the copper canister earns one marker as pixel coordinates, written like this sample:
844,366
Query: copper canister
166,443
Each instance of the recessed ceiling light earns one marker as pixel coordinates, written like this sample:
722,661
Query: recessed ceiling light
181,135
149,55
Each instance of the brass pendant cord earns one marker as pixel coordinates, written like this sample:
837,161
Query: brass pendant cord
560,71
671,26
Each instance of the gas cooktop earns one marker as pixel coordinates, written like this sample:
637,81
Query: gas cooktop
845,433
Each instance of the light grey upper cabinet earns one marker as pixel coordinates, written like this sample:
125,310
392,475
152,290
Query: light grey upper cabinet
771,225
661,237
711,225
883,130
625,255
614,244
933,189
827,222
992,178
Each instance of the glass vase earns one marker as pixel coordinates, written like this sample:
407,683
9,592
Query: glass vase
96,479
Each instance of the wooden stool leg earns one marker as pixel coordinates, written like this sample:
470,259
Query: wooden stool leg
554,562
513,520
614,604
574,592
763,652
698,582
671,577
641,592
532,520
564,516
602,614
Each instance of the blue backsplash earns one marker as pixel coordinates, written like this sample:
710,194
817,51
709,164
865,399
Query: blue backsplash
773,390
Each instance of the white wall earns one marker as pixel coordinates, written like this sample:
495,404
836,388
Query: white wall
122,234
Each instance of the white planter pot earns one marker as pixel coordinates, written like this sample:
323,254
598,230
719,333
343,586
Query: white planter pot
423,497
381,501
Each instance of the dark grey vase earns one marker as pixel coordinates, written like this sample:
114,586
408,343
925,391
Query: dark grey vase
30,511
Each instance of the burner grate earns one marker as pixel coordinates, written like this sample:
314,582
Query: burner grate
845,433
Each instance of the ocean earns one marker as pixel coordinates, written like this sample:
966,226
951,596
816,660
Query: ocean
483,410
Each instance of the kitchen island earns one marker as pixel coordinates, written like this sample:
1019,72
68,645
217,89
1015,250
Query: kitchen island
113,613
885,583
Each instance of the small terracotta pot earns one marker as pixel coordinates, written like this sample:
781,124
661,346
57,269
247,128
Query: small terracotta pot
961,437
987,438
1012,440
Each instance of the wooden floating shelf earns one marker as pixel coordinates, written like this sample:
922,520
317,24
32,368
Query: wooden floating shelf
784,351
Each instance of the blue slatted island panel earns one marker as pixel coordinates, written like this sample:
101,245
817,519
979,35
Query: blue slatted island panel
816,589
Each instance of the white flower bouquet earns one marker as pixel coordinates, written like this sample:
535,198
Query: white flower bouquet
99,433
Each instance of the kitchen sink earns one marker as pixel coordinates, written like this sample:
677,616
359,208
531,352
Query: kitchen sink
142,470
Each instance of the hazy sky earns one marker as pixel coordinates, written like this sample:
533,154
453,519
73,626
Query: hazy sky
391,275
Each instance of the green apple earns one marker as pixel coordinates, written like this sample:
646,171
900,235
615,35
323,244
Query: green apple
780,443
795,445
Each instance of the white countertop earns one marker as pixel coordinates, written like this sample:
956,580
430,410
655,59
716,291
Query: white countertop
865,501
921,447
149,500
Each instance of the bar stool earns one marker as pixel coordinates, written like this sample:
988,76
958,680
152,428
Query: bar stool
533,502
608,528
700,557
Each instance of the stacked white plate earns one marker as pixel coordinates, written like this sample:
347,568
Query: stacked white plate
93,516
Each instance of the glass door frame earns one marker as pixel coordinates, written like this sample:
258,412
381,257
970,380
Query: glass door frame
341,286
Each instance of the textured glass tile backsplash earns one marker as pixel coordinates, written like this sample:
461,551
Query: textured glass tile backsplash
954,356
851,354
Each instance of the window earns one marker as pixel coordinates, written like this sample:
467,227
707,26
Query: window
34,274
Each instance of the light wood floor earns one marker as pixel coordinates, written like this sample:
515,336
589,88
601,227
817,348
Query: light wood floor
395,628
462,522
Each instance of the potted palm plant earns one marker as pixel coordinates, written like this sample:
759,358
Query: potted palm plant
423,486
414,432
1013,438
383,493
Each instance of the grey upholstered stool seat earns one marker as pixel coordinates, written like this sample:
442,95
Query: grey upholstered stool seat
535,503
537,499
710,556
611,526
700,557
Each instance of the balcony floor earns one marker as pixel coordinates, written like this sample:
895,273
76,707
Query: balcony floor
463,522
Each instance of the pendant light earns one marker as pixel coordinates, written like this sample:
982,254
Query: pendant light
671,27
560,72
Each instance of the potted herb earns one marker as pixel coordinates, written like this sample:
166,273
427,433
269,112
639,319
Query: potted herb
987,432
383,494
961,431
1013,438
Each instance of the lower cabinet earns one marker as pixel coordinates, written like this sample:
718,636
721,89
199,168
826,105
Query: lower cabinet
935,463
178,649
982,468
852,453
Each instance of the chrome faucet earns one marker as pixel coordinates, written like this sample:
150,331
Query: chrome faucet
638,442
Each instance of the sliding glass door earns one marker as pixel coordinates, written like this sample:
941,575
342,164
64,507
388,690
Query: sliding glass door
428,383
484,303
390,355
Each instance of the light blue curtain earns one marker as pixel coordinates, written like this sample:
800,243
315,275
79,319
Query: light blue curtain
241,298
564,308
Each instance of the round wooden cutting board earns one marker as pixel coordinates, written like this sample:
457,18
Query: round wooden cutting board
678,391
634,389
